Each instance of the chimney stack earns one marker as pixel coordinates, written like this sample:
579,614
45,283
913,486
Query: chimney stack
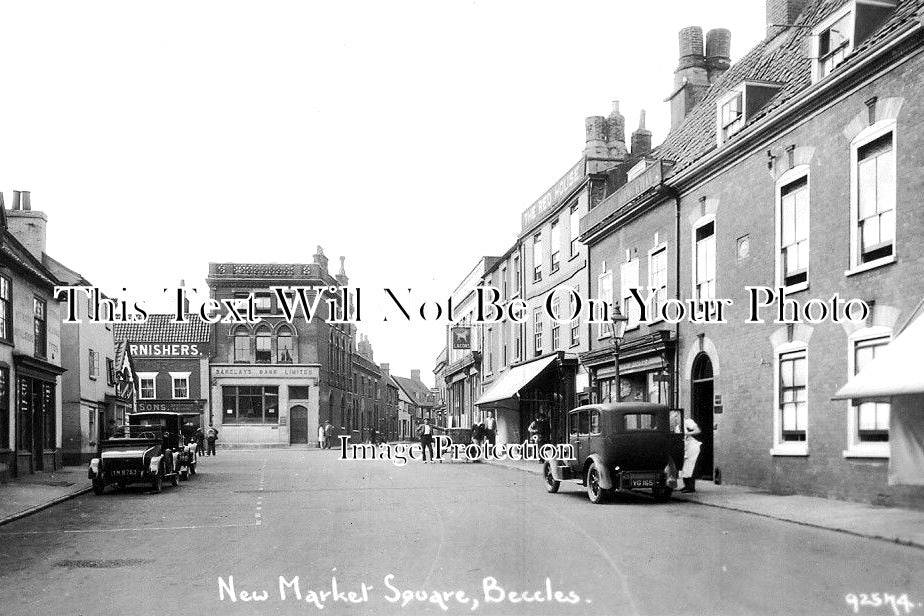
415,375
782,13
341,276
2,212
718,53
691,79
616,133
641,138
185,299
27,225
320,259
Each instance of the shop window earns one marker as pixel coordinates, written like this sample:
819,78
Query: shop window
244,404
6,309
263,303
40,327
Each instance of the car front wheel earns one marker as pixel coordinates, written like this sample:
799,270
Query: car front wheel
595,492
551,484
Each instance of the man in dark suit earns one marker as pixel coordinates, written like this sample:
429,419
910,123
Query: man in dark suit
425,431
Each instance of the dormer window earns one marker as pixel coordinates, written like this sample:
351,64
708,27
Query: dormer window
835,38
738,105
731,115
834,45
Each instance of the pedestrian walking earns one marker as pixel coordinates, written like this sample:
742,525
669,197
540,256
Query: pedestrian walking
490,428
200,441
425,431
328,434
691,446
210,437
322,438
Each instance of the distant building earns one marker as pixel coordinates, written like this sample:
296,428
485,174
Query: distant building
275,382
421,401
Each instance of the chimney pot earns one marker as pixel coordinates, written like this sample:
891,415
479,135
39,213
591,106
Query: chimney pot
718,53
16,199
783,13
641,138
26,200
691,47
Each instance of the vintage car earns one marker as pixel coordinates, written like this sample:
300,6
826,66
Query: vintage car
621,446
149,449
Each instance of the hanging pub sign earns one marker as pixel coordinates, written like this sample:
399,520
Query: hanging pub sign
461,338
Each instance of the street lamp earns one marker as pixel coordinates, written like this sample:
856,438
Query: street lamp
620,322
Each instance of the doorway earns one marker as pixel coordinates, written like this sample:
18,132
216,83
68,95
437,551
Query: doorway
298,425
702,413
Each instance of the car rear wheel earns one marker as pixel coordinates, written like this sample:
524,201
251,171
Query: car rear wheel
174,480
595,492
98,486
184,475
551,484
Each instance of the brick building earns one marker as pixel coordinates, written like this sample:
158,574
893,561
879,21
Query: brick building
30,345
171,365
795,168
276,382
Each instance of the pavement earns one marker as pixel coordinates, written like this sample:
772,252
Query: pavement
26,495
428,539
903,526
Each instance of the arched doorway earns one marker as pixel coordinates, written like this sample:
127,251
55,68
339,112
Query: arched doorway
702,413
298,425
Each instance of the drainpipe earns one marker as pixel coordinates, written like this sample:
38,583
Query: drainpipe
675,195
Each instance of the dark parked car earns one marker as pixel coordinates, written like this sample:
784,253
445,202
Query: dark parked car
149,449
621,446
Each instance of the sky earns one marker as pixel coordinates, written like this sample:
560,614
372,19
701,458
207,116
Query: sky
405,136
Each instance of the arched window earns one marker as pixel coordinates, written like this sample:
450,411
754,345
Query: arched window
285,346
241,337
330,351
264,346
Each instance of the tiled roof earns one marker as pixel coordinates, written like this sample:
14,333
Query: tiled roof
783,59
11,249
366,363
158,328
416,391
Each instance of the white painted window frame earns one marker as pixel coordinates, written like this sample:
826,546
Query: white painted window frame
865,137
149,376
793,175
781,447
174,376
855,447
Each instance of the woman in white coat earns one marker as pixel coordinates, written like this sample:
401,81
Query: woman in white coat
691,447
322,438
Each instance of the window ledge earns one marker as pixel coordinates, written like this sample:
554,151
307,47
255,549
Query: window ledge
796,288
865,267
869,454
799,451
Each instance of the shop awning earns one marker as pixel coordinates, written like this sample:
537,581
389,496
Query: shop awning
514,380
896,371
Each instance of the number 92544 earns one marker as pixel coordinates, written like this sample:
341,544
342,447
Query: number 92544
899,604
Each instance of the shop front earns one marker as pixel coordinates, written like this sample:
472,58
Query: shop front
542,386
37,415
645,373
265,406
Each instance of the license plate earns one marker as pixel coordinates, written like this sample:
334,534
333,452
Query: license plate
123,473
643,482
